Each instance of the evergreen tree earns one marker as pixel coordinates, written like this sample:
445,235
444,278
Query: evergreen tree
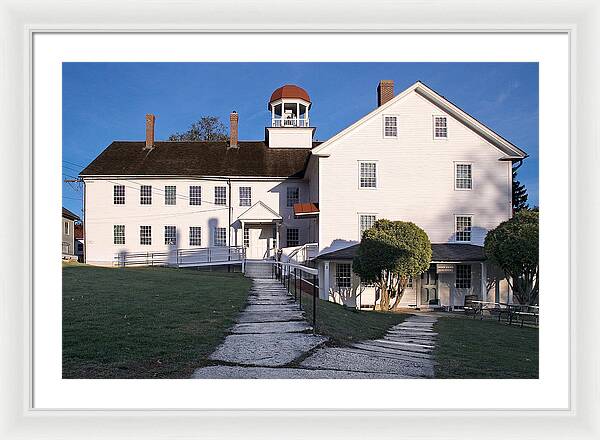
519,193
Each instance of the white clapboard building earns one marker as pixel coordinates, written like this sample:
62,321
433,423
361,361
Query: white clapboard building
416,157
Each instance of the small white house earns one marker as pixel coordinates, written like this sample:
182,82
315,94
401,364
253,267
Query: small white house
415,157
68,235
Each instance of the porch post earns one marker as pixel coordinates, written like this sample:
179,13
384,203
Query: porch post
325,283
483,282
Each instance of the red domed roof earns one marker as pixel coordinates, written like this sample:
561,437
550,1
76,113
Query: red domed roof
290,91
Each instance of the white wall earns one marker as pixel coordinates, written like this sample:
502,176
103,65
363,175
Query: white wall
101,213
289,137
415,178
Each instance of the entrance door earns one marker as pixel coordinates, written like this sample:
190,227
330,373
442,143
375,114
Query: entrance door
260,237
429,287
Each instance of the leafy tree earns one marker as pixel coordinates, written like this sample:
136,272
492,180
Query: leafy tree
519,193
389,253
514,247
207,128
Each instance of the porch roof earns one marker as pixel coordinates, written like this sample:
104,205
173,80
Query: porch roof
259,212
441,252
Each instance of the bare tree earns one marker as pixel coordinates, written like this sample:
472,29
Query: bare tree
207,128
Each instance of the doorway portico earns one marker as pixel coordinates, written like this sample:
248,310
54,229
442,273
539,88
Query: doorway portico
260,231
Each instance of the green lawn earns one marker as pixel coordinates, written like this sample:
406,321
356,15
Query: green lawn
474,349
145,322
347,325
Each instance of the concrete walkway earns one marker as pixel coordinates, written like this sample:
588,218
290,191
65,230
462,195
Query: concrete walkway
272,339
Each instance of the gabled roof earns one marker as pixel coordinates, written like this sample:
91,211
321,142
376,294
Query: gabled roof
509,150
251,159
259,212
68,214
441,252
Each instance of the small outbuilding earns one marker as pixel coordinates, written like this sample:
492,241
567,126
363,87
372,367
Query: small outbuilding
457,271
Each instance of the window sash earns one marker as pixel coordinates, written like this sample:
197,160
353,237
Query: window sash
440,127
195,236
390,126
195,195
463,276
245,196
463,227
292,237
464,176
170,235
119,194
145,195
220,238
366,221
343,276
145,235
220,195
118,234
368,175
293,196
170,195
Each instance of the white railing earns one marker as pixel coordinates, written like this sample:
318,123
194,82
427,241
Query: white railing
183,257
290,122
304,253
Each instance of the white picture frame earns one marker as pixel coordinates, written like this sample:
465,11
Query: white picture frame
580,19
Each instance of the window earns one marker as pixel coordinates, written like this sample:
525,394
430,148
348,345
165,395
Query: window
463,276
119,194
220,237
463,176
293,195
440,127
365,222
245,196
220,195
66,228
343,279
246,238
368,175
409,282
292,237
146,235
119,234
145,195
390,126
170,235
170,195
195,195
195,236
463,227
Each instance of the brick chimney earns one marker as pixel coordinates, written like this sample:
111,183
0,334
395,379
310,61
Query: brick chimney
385,91
233,129
150,131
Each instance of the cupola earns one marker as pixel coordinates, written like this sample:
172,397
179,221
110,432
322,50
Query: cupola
290,124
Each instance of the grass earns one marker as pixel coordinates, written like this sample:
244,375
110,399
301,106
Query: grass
145,322
346,325
474,349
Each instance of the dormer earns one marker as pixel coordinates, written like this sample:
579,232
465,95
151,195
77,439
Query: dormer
290,124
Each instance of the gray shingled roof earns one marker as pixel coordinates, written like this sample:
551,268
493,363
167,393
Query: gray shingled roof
252,158
68,214
449,252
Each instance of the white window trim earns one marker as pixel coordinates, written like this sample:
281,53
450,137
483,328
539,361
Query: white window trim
455,163
377,182
454,231
433,128
359,214
397,126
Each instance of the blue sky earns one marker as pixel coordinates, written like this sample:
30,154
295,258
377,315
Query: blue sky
103,102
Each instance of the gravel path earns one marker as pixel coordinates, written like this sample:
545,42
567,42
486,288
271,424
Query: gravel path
272,339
